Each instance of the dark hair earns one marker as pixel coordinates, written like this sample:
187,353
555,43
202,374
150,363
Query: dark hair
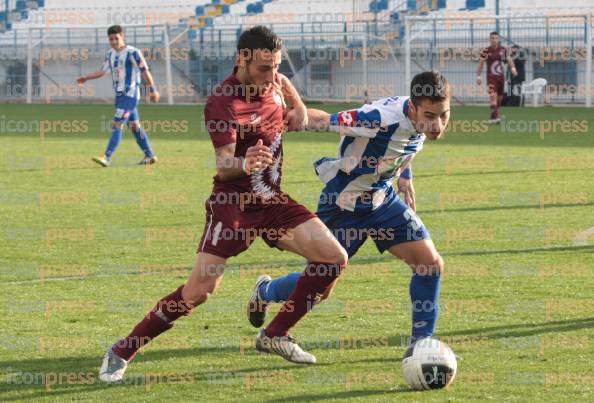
258,37
494,33
114,29
431,85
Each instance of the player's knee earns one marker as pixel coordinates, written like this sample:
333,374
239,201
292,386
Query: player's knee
430,267
116,125
336,255
439,266
133,126
328,252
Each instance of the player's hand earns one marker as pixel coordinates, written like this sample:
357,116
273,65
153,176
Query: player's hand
155,96
257,157
81,80
297,119
514,72
405,186
479,81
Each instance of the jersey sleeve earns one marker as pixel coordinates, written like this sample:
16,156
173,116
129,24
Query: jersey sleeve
367,121
362,122
139,59
105,65
220,123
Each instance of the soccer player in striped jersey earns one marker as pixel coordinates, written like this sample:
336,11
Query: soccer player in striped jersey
126,66
378,143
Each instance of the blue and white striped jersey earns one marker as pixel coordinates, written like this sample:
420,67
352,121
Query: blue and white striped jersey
377,143
126,67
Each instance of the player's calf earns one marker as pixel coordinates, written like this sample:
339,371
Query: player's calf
427,266
143,142
424,294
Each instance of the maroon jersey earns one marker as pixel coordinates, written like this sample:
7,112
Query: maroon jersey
495,57
234,116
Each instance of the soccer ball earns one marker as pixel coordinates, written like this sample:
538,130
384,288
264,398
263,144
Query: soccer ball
429,364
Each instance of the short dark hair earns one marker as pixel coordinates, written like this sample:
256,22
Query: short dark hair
114,29
431,85
258,37
494,33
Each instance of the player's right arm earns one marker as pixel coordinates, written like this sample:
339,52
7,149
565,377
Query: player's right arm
221,126
482,61
98,73
91,76
230,167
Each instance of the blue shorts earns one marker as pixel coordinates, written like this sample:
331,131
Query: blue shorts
126,109
390,224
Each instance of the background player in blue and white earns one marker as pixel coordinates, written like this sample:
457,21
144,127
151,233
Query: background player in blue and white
126,66
378,143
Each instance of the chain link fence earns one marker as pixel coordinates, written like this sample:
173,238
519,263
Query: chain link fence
334,61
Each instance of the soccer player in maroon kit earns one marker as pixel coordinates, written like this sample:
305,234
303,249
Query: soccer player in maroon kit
245,117
495,55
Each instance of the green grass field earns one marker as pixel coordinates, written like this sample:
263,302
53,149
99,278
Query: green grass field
86,251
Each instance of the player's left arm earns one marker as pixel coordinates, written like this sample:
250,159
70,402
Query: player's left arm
297,117
153,93
405,186
146,76
511,64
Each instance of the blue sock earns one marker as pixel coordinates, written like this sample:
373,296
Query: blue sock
279,290
114,142
424,295
143,142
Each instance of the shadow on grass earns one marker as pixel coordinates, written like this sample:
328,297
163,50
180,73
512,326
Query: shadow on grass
499,172
32,383
26,377
512,207
92,363
525,329
377,393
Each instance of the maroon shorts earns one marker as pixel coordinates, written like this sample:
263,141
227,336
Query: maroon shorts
496,86
232,226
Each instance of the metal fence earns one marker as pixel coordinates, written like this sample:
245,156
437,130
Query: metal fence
336,61
42,64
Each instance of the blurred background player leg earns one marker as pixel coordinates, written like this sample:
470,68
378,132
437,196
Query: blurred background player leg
142,139
114,141
494,102
125,107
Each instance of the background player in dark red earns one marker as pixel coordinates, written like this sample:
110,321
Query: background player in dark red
245,116
495,55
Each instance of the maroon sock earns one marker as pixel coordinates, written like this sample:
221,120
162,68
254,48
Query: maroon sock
310,286
494,111
157,321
